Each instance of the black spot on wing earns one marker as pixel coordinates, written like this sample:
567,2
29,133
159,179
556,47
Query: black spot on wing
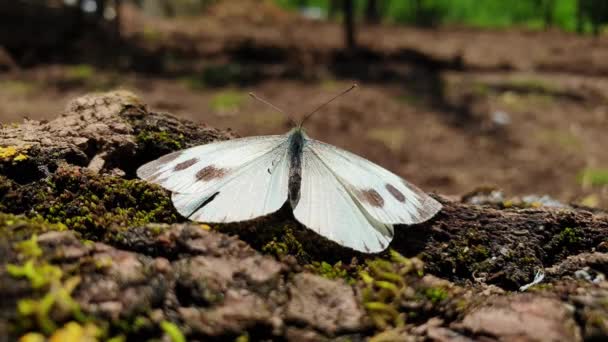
185,164
399,196
154,177
210,172
167,158
370,196
148,170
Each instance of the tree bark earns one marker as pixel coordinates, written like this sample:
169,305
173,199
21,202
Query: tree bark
548,6
349,24
579,16
120,254
333,9
372,12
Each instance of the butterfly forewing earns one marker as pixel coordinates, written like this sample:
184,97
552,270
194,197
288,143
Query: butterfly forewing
201,168
383,195
226,181
259,188
326,207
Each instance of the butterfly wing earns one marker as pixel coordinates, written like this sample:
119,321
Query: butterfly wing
228,181
199,168
385,196
327,207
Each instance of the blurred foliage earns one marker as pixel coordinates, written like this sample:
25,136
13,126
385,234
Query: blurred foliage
571,15
227,101
593,177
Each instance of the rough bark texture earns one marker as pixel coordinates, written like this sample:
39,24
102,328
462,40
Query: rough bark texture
87,250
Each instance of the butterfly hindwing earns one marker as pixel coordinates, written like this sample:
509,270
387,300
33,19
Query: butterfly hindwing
248,178
385,196
327,207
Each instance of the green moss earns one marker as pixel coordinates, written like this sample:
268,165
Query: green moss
58,298
227,101
195,82
140,322
330,271
285,244
569,236
151,34
242,338
19,228
480,252
565,140
118,338
29,247
93,204
172,331
384,286
39,274
481,89
80,72
157,229
533,85
160,138
540,287
35,312
18,87
528,260
435,294
393,290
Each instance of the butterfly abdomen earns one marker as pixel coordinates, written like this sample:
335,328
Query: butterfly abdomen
296,144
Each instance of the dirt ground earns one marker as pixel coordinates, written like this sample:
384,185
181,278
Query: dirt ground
449,109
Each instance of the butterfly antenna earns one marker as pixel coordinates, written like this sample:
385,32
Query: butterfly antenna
291,121
344,92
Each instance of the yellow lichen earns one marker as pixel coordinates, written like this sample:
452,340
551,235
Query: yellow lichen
7,153
59,298
29,247
74,332
42,274
20,157
242,338
12,153
32,337
172,331
39,275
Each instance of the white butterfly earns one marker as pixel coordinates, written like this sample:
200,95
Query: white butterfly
339,195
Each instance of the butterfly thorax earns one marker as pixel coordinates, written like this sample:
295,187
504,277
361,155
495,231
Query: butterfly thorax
296,145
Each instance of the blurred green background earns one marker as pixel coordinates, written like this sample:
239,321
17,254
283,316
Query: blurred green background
570,15
455,94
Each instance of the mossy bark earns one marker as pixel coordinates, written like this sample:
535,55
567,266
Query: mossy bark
88,250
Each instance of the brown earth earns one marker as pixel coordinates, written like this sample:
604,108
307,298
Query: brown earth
450,109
